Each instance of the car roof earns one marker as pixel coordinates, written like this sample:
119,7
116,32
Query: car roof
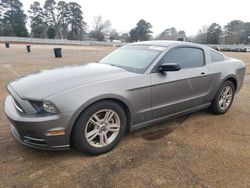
167,43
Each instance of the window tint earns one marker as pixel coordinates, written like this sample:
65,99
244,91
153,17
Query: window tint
186,57
216,56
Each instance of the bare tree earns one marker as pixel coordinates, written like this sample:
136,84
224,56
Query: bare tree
114,35
201,37
100,25
100,28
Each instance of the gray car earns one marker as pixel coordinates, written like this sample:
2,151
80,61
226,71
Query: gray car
91,106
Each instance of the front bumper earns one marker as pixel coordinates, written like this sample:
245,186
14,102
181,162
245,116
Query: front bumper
32,129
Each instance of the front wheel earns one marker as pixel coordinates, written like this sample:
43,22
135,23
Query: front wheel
99,128
224,98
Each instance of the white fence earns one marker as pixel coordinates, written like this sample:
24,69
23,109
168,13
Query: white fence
57,41
88,43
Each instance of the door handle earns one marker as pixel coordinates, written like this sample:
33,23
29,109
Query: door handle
203,74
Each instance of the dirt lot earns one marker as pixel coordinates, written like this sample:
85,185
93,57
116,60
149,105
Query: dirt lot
198,150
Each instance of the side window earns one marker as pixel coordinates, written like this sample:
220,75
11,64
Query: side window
186,57
216,56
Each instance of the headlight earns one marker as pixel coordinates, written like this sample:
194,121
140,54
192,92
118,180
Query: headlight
48,107
44,106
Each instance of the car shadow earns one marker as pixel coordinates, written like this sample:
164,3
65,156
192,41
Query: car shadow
158,131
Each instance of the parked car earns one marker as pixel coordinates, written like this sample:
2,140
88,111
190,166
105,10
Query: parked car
236,49
91,106
245,49
216,48
226,49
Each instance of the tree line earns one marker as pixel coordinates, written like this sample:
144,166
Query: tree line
52,20
64,20
235,32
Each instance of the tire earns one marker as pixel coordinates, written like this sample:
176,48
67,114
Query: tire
220,108
101,118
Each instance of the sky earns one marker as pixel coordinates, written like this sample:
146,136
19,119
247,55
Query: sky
187,15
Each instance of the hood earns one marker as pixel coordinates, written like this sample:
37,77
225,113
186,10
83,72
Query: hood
45,83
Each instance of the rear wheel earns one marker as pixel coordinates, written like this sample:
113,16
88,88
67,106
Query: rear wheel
99,128
224,98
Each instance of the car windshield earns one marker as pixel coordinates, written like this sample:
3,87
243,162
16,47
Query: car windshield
133,58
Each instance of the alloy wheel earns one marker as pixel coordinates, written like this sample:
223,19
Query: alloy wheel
102,128
225,97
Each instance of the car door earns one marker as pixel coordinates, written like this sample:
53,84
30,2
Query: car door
177,91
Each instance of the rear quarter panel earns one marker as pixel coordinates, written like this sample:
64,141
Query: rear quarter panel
223,70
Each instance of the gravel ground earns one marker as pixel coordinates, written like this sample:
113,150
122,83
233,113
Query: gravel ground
197,150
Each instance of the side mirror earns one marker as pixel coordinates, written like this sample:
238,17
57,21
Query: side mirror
169,67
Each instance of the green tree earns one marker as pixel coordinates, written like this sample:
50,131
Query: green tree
124,37
181,35
37,20
233,32
245,34
172,34
50,14
63,18
75,21
133,37
169,34
2,8
213,33
51,32
141,31
13,19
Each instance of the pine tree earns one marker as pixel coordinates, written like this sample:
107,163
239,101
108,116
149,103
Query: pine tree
37,21
75,21
14,19
141,31
50,14
63,18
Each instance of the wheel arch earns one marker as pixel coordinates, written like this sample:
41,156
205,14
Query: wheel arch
118,99
233,79
215,107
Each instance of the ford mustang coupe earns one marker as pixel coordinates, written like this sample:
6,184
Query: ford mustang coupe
91,106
